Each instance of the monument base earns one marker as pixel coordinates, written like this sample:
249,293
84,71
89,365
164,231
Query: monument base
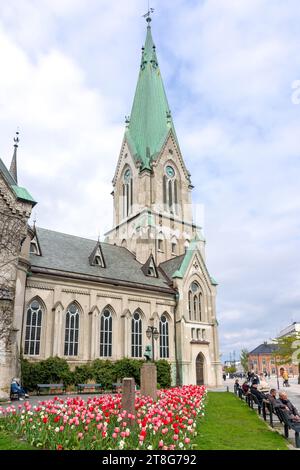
149,380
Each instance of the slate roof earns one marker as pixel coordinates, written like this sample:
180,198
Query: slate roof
9,179
70,254
264,349
172,265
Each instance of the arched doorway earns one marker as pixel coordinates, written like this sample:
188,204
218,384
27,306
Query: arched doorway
200,369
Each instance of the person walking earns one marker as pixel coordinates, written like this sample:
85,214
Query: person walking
285,377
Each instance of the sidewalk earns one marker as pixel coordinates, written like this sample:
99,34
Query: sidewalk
293,392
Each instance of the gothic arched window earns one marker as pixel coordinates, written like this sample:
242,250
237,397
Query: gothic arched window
170,190
127,192
106,333
195,302
163,337
136,335
72,331
33,328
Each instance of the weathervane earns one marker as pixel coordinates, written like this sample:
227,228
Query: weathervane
149,13
16,139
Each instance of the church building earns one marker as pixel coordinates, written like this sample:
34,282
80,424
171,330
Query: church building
80,299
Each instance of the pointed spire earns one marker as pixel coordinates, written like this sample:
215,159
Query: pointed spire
13,165
150,120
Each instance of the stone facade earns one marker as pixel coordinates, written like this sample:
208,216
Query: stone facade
14,214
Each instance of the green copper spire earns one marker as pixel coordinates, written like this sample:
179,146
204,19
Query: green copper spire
150,120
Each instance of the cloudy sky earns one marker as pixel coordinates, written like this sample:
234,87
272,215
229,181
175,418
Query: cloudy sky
68,70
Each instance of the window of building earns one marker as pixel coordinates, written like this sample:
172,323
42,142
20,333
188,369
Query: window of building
33,329
170,190
34,247
136,335
164,337
106,334
174,246
127,192
195,302
72,331
152,269
160,244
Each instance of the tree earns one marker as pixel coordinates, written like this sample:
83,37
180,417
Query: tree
288,350
244,359
230,369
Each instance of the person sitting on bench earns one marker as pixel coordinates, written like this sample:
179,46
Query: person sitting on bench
245,387
288,407
259,395
16,389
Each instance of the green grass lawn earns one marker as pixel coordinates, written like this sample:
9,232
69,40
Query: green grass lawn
229,424
10,442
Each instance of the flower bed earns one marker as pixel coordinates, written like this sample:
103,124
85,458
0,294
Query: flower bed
100,423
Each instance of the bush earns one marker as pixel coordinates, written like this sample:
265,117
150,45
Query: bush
30,374
52,370
128,368
103,372
82,374
163,373
57,370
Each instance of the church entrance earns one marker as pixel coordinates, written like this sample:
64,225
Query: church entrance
200,369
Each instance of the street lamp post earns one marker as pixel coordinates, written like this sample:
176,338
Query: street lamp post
152,333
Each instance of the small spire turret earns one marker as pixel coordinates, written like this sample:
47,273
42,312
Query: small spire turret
13,166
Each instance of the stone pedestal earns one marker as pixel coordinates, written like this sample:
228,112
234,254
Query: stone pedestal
149,380
128,395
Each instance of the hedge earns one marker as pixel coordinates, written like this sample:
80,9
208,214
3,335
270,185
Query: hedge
56,370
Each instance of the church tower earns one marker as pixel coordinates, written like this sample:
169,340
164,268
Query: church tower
152,186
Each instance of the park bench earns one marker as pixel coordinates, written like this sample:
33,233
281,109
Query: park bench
289,424
255,401
14,396
116,387
50,387
84,387
268,409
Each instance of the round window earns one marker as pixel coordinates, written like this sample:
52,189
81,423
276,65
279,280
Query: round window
163,319
136,316
106,313
35,305
73,309
194,287
170,171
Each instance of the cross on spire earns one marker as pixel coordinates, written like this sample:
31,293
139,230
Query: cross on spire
149,13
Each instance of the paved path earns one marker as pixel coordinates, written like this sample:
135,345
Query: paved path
293,392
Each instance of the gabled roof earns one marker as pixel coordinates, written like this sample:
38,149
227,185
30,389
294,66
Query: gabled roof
171,266
150,120
176,267
264,349
69,254
150,264
97,251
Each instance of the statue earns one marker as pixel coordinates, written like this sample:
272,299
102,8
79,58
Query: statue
148,353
